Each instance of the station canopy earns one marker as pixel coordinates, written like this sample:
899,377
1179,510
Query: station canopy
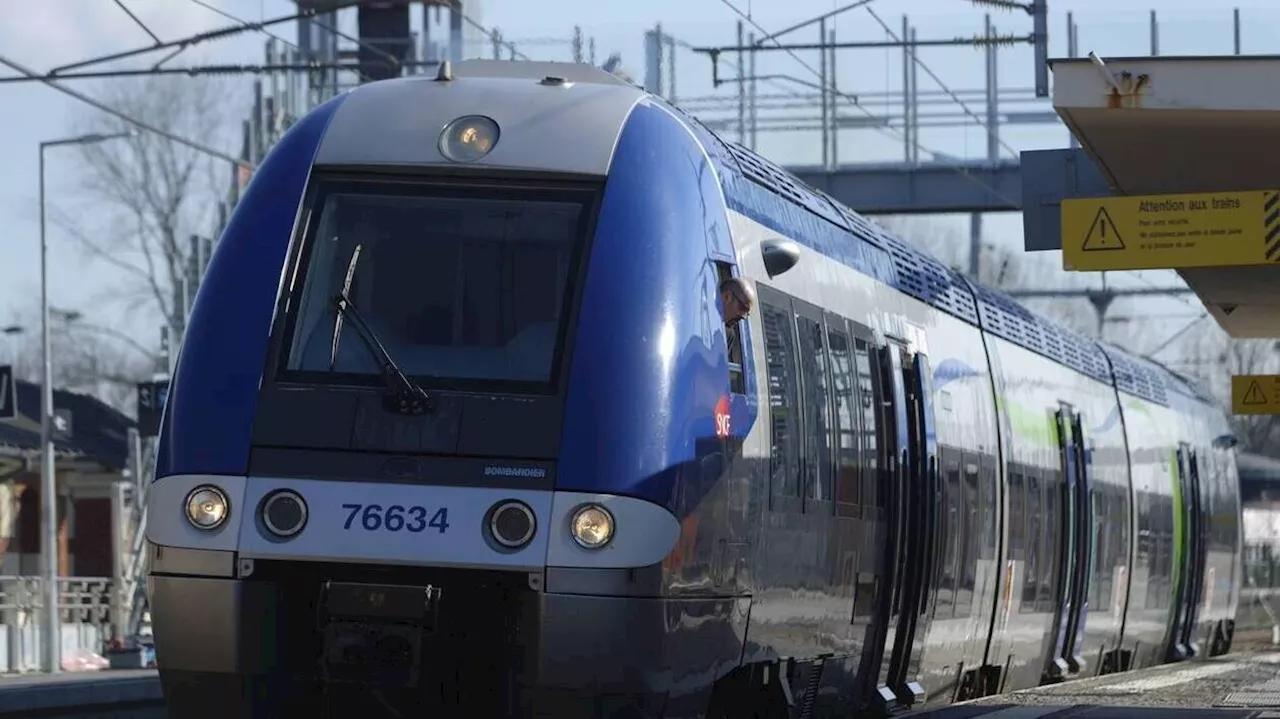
1190,125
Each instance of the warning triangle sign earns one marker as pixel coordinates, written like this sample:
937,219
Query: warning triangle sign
1102,234
1255,395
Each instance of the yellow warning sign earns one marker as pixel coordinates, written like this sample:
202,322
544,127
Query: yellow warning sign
1171,231
1255,394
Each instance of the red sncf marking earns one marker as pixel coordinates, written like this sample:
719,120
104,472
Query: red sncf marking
722,417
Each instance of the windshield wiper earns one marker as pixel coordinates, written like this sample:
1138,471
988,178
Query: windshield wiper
403,396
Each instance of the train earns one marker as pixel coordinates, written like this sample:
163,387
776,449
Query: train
459,424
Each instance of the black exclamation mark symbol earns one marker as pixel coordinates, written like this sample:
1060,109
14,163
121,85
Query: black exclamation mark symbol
1102,228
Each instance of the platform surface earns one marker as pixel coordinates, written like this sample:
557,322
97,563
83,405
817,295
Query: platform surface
110,690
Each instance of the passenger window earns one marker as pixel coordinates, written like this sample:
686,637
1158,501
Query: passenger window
733,339
972,540
780,360
871,429
1035,543
846,415
952,532
1054,538
813,357
1017,515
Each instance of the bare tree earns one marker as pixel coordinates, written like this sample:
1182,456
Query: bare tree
88,359
155,193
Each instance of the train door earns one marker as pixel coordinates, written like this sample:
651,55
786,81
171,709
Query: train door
1189,578
909,482
1086,529
1199,551
1075,552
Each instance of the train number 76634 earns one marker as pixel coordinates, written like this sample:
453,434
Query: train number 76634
372,518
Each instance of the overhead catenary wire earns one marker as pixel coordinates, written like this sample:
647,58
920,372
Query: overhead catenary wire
140,124
197,71
137,20
889,130
915,57
884,130
257,27
180,44
509,45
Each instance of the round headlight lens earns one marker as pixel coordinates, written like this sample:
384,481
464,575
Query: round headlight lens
512,524
591,526
469,138
284,513
207,507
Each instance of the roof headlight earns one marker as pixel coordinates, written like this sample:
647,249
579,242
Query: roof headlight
591,526
207,507
468,138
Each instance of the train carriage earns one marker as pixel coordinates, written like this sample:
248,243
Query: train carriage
458,424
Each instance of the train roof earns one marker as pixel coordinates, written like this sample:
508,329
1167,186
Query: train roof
382,123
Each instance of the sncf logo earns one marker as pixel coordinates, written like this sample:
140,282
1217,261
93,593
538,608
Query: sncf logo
723,418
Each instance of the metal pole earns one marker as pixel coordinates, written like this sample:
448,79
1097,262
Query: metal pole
835,99
742,89
48,466
915,99
753,111
1071,52
1155,35
906,93
48,479
1235,14
118,517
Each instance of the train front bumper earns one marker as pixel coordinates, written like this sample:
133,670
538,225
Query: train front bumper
251,648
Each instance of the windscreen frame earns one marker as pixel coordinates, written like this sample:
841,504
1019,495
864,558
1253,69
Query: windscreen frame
587,193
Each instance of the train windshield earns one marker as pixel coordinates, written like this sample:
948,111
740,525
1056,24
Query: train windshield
463,286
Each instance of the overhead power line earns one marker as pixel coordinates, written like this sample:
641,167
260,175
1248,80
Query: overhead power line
889,130
200,70
915,57
197,146
882,129
135,18
182,44
247,25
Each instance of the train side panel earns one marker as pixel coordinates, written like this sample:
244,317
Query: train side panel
1222,578
1152,431
813,554
830,560
1042,621
966,578
1107,465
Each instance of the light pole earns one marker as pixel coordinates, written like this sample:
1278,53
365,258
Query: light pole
48,476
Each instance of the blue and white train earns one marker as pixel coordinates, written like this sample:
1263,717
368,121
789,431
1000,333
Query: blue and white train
455,428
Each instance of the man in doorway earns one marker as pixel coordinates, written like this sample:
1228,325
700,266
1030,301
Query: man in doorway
737,299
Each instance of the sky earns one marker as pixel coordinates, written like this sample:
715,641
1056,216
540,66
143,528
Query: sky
51,32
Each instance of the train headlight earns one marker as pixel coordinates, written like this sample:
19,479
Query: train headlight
207,507
591,526
284,513
468,138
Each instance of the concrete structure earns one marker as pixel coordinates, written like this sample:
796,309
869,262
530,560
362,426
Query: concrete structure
1184,125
